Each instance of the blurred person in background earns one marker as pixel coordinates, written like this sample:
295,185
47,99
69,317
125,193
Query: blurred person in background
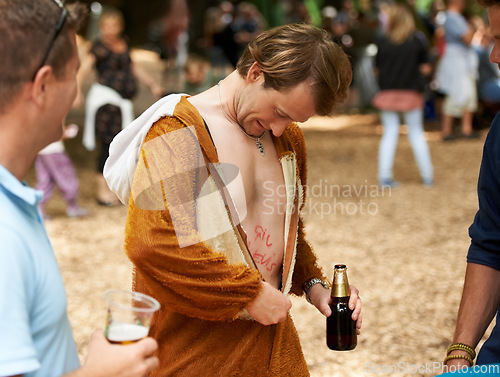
214,23
223,32
198,74
356,31
36,336
488,80
247,24
222,268
401,64
54,168
109,108
456,72
174,30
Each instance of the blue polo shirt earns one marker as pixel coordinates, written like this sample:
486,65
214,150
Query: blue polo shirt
36,338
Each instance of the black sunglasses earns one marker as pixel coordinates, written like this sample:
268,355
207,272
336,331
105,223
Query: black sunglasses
57,30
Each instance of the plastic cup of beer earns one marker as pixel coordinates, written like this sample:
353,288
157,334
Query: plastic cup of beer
129,316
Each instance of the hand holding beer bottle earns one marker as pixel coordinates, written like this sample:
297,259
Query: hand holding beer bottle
321,298
341,332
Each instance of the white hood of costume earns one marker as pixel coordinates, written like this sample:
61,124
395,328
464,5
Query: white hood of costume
125,148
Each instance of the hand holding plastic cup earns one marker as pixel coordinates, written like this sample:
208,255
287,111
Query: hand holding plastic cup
129,316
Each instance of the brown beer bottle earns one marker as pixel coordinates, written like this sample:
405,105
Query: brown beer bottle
340,327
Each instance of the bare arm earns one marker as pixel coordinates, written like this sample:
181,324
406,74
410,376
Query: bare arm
480,301
87,65
144,77
467,38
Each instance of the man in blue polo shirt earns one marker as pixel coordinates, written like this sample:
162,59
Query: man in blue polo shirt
37,87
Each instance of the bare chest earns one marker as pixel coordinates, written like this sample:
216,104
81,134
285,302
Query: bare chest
260,200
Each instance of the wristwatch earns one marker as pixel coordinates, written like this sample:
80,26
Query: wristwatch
309,284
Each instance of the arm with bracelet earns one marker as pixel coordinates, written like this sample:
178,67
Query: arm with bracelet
317,293
479,304
481,293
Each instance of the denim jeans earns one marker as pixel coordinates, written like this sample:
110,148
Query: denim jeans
389,142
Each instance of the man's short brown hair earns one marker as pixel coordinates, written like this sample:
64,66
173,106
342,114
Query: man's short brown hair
26,27
291,54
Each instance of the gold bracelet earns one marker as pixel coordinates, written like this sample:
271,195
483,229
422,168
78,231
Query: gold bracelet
449,357
462,347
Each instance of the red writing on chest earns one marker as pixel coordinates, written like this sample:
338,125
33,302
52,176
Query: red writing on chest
260,232
261,240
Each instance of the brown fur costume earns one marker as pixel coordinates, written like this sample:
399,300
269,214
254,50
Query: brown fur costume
202,327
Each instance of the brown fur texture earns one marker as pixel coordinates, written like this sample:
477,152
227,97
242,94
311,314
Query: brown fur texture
203,290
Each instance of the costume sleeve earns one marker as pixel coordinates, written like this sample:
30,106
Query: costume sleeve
485,230
306,266
191,278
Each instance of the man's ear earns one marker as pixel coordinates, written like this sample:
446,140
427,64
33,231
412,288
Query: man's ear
40,84
254,72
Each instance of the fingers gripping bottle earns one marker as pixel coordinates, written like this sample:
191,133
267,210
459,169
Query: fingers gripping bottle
340,327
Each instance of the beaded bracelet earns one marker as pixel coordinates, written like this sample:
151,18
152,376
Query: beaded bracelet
462,347
449,357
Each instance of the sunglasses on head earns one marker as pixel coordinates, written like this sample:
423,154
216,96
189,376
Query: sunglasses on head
57,30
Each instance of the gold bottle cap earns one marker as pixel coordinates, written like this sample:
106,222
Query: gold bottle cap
340,286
